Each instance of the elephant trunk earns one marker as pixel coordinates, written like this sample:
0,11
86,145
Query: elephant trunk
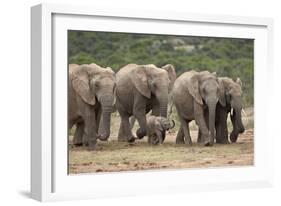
236,118
238,126
163,103
173,124
107,107
212,117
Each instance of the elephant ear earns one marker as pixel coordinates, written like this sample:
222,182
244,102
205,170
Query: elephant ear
222,96
171,73
193,88
140,79
81,84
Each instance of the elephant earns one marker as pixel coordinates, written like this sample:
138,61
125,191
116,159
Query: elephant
196,94
91,95
234,104
156,128
139,89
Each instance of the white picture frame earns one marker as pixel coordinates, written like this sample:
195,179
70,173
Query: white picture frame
49,179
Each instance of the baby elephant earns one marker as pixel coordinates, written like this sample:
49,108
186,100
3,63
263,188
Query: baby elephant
156,128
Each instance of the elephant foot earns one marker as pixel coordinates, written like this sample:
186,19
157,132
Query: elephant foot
131,139
80,144
222,141
233,137
208,143
103,138
91,145
140,133
126,139
77,142
207,140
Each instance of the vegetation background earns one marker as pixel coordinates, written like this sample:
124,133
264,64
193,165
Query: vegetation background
226,56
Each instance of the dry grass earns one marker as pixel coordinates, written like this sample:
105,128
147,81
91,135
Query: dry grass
121,156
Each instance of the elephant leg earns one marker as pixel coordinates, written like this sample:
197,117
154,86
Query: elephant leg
139,111
180,136
152,138
78,135
200,139
159,137
218,129
141,132
185,128
222,133
132,122
221,126
187,137
163,135
125,132
200,121
90,129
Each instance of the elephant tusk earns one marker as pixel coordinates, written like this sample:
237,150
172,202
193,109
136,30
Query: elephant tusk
231,112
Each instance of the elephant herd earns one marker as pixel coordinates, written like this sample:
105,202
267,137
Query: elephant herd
135,90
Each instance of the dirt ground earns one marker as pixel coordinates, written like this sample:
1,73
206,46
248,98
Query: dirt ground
116,156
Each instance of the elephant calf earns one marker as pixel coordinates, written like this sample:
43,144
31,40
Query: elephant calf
156,128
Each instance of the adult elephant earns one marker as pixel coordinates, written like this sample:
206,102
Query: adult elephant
91,94
233,98
194,92
139,89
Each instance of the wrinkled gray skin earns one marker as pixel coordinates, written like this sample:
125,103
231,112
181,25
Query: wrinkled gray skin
139,89
156,128
91,95
194,93
233,98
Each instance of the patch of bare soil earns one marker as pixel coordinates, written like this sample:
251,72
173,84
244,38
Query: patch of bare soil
120,156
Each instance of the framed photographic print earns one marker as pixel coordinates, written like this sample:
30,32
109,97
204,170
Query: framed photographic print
137,102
